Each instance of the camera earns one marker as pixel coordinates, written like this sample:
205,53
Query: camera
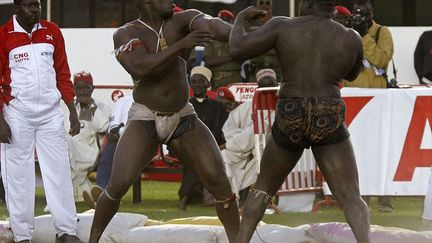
357,18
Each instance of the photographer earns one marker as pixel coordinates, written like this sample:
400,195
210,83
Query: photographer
377,47
378,51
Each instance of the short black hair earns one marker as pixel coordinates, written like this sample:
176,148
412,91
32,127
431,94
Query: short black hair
17,2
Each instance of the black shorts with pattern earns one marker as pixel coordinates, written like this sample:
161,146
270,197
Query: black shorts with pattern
302,122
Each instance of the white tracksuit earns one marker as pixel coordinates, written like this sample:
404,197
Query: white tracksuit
34,76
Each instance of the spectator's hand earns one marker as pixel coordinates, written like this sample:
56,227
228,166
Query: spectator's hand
362,28
75,125
87,111
93,107
196,38
5,131
252,12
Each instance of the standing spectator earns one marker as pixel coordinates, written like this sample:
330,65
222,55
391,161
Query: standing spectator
240,162
377,48
378,51
84,149
116,128
269,59
213,115
226,97
423,58
35,75
216,57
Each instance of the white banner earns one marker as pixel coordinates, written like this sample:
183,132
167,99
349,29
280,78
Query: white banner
6,1
391,134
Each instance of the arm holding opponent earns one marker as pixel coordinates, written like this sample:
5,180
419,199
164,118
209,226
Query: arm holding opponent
244,45
139,61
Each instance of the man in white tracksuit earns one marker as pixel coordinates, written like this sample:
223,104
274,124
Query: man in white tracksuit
83,148
34,76
239,158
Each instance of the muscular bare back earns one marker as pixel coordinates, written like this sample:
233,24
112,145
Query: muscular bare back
315,53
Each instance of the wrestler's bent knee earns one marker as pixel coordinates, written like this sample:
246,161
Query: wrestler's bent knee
115,193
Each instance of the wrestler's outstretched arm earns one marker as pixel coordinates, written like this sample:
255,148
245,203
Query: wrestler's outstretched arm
194,20
135,56
245,45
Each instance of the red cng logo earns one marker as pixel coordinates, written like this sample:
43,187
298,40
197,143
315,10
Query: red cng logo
20,57
413,155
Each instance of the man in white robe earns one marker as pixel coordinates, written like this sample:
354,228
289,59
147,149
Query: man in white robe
239,158
83,148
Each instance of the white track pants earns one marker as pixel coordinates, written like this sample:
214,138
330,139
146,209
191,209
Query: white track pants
48,135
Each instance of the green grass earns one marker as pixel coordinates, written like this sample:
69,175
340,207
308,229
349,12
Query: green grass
160,203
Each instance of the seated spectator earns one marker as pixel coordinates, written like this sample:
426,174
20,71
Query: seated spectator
423,58
226,97
83,148
118,121
213,114
240,162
